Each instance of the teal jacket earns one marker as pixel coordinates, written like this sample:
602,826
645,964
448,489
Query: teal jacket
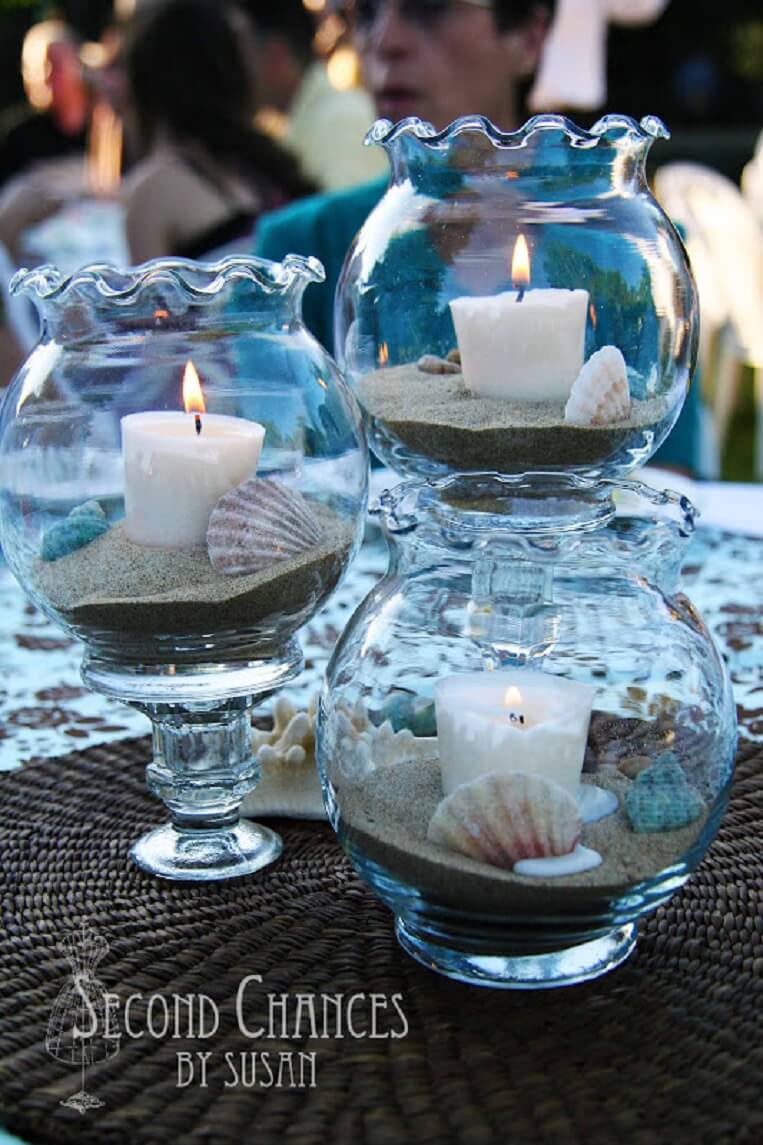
326,226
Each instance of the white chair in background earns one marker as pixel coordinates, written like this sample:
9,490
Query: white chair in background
725,244
752,180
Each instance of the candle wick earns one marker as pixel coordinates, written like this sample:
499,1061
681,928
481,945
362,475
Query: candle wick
197,418
520,294
516,719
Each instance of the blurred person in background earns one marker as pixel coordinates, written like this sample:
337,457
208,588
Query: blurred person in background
54,121
206,173
81,84
324,127
42,155
437,59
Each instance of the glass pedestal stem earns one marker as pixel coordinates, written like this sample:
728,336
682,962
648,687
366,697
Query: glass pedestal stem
202,768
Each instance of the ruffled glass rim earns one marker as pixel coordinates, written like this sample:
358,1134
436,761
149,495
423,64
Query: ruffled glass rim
609,128
194,281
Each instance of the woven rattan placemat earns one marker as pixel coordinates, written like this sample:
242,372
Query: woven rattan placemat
665,1049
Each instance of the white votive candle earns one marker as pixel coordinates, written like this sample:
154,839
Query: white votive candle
514,719
174,476
522,345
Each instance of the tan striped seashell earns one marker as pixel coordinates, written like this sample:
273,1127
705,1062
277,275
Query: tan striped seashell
257,524
600,394
502,818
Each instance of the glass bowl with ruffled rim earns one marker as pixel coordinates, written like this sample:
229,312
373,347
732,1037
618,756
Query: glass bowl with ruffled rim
517,300
183,481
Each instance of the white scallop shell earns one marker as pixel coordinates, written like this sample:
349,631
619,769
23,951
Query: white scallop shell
600,393
258,523
502,818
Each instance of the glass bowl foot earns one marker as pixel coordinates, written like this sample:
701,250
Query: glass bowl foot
520,972
221,853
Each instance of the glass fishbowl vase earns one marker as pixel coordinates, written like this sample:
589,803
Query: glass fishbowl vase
183,480
526,734
517,301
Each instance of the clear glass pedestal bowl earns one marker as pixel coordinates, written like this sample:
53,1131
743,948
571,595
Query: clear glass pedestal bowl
526,734
183,483
517,301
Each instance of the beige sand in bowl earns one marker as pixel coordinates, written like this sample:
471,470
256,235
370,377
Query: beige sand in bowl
115,584
435,416
385,818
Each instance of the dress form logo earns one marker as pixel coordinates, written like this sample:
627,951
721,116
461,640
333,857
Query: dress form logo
81,1028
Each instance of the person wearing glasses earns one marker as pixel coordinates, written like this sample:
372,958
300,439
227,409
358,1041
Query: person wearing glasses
437,59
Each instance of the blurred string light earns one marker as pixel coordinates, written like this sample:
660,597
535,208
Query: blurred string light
342,64
35,66
103,162
343,68
93,55
331,30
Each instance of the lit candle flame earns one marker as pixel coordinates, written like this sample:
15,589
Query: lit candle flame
193,398
512,699
383,354
520,264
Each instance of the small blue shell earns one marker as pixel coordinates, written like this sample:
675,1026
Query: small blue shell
661,798
89,509
406,711
82,526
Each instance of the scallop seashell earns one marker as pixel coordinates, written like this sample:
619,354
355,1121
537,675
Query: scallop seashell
600,393
258,523
502,818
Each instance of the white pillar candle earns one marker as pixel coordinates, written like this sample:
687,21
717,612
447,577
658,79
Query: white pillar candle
477,735
175,476
522,350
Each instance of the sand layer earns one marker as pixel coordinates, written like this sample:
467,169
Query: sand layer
116,585
435,416
385,818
